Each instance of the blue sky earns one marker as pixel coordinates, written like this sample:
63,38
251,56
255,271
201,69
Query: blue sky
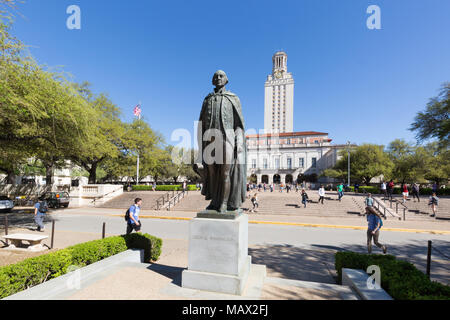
354,83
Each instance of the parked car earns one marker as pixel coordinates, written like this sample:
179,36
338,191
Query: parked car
6,204
56,199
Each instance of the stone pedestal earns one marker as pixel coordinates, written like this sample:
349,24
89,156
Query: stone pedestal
218,255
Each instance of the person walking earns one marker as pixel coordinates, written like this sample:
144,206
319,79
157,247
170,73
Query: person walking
383,189
304,196
390,188
369,201
255,202
40,209
321,194
415,192
271,187
154,186
434,187
133,222
356,187
340,190
434,201
405,193
373,231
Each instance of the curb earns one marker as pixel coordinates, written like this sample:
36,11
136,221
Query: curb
311,225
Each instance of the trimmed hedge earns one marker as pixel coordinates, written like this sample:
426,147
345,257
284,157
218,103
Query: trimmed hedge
400,279
34,271
164,188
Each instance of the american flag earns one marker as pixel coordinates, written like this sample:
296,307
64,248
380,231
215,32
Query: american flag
137,110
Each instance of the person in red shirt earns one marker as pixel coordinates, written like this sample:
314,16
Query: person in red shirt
405,193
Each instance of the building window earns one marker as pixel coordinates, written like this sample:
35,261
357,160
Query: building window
288,141
301,162
314,162
277,163
265,163
289,163
253,163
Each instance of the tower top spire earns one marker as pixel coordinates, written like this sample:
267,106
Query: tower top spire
279,60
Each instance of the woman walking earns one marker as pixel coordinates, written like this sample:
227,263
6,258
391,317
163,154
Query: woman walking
405,193
255,202
434,201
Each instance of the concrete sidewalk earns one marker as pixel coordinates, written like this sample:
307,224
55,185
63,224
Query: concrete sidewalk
123,277
359,222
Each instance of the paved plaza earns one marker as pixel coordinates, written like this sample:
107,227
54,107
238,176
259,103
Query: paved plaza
298,247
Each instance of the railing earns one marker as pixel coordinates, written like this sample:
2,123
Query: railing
102,196
90,189
180,195
161,201
397,203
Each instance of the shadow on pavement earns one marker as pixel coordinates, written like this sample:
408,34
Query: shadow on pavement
173,273
22,220
298,263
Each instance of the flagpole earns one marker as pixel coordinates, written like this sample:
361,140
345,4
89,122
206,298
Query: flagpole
137,167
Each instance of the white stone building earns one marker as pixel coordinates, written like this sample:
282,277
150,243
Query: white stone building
279,97
281,155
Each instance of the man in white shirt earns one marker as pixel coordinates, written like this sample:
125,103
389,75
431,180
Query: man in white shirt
383,189
321,194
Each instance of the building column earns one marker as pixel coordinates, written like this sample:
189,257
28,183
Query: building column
283,178
258,178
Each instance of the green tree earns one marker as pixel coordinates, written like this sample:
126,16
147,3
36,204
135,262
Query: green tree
366,162
107,131
434,122
437,167
409,161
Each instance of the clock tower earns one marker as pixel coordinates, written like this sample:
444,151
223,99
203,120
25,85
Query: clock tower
279,97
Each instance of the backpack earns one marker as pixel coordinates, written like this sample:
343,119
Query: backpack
127,215
43,206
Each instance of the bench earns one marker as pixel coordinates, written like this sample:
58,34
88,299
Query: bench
33,240
357,281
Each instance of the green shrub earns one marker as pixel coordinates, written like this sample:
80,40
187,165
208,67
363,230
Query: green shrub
164,188
34,271
401,279
151,245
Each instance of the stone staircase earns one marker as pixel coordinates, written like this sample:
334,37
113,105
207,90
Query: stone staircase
419,211
283,203
290,204
125,200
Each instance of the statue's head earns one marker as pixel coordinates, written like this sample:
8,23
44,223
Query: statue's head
220,78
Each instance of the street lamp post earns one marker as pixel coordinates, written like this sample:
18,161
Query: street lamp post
348,150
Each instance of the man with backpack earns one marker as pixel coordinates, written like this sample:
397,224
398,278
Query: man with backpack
132,216
40,209
373,231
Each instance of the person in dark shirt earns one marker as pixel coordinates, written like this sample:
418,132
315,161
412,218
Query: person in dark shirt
304,197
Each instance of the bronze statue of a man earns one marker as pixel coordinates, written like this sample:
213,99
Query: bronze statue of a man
223,148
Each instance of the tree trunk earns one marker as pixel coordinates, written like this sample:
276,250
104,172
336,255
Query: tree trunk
49,174
93,173
10,177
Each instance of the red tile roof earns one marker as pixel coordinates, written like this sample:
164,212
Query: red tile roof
288,134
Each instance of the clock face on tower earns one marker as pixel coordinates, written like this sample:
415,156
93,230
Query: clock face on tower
278,74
